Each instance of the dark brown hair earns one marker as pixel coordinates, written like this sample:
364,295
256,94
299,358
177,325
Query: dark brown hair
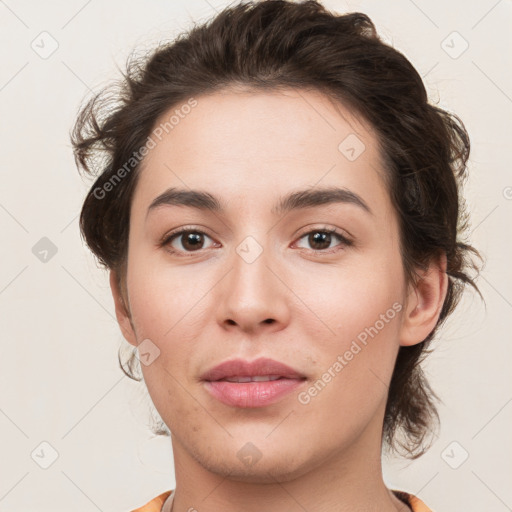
275,44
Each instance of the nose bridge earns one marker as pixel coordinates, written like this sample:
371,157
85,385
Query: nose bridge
252,295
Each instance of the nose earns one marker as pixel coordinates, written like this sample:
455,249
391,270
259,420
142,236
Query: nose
253,295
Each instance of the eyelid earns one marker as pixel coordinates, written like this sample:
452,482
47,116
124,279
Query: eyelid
328,229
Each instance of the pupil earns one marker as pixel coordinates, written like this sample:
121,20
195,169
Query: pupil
193,239
319,238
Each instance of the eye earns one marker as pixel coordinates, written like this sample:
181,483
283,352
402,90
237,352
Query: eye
186,240
190,240
321,239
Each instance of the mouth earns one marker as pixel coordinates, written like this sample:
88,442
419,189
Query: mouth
255,378
245,384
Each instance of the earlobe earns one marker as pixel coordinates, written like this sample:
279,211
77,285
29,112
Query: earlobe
123,314
425,302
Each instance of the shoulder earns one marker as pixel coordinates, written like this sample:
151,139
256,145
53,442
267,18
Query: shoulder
415,504
155,505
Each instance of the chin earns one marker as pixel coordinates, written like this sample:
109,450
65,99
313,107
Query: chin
251,465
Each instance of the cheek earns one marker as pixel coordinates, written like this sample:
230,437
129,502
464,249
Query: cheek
356,346
343,302
164,298
167,310
356,366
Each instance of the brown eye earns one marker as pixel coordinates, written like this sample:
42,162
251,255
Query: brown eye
321,239
192,241
186,241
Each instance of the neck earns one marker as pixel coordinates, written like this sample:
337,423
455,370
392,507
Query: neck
349,481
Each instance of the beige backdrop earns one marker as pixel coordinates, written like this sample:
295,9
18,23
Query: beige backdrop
74,430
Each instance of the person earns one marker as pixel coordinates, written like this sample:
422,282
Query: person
280,210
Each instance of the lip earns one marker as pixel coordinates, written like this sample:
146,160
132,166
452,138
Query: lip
242,368
251,394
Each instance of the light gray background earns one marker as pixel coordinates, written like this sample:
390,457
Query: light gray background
59,379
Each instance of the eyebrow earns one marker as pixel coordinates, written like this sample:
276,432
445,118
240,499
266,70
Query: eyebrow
294,201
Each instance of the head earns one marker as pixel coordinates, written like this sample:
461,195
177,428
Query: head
328,226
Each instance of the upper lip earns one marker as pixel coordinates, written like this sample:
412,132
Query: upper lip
242,368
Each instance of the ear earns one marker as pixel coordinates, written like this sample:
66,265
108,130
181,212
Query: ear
122,311
424,302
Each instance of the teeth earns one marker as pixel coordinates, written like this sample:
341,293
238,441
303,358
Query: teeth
256,378
239,379
264,378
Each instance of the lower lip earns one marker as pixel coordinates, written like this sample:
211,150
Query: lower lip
252,394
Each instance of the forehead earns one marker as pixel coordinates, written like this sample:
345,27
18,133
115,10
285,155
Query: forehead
251,143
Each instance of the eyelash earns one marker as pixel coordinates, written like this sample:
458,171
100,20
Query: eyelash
169,237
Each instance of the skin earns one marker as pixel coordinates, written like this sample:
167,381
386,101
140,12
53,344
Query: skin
200,308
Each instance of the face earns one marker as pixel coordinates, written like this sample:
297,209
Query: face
317,284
